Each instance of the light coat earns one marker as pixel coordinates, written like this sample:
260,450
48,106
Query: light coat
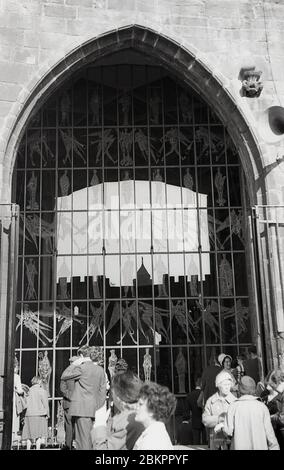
37,402
248,421
215,408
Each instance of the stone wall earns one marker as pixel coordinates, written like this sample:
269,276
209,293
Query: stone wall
225,34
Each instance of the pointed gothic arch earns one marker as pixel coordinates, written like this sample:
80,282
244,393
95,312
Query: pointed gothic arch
174,57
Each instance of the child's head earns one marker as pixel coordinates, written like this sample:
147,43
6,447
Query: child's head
240,359
36,380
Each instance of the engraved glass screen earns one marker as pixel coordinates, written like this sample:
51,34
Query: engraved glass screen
131,230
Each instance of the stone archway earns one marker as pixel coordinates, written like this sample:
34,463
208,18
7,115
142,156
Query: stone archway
171,55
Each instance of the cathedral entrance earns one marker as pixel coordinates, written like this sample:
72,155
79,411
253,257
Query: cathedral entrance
132,231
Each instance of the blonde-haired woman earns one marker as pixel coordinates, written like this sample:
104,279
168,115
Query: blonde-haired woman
35,427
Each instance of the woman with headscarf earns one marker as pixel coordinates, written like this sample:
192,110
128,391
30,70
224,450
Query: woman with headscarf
225,361
216,408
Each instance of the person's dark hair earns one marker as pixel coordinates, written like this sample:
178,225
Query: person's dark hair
97,355
160,401
241,356
252,349
126,385
84,350
120,366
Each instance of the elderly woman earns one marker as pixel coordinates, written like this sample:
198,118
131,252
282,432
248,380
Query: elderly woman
225,361
156,405
216,408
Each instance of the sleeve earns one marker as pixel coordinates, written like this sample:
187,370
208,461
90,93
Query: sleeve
208,419
101,390
270,435
104,438
229,423
64,388
18,384
44,400
72,373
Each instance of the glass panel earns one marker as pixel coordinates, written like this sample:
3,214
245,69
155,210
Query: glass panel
131,230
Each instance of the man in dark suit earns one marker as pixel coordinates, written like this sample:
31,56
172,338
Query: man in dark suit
88,396
67,388
198,429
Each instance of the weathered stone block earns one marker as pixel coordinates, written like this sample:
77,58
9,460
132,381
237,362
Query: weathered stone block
60,10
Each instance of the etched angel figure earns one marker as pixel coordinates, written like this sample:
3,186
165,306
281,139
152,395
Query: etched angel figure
44,370
96,322
104,142
33,225
226,277
183,317
112,360
32,187
209,319
175,139
146,315
94,105
184,104
147,365
70,142
38,146
180,365
31,272
145,145
64,183
31,321
125,102
65,108
188,180
219,182
154,102
128,315
126,141
64,313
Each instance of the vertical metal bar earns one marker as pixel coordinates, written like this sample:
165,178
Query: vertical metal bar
13,240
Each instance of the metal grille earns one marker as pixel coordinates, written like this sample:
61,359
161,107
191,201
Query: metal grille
269,223
9,222
131,230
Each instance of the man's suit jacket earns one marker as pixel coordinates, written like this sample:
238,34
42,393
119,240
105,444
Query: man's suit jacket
90,389
196,412
67,388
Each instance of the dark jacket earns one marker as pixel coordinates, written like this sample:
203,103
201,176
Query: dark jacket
67,388
208,381
90,389
252,368
196,412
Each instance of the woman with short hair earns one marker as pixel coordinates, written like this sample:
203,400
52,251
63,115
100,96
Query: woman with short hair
37,413
155,406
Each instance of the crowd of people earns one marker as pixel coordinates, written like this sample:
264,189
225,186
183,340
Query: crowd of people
229,408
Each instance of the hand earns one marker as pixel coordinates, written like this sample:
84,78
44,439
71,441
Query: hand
101,416
78,361
218,427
